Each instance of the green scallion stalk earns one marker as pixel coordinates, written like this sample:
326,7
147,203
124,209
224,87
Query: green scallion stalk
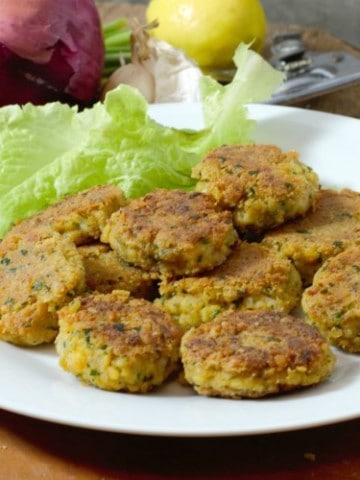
114,26
116,36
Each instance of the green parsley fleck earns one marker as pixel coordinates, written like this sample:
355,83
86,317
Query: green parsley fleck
120,327
87,335
215,313
251,192
40,285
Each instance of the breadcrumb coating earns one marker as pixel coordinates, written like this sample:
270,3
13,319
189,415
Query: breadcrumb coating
263,186
332,302
322,233
79,217
253,277
116,342
171,233
38,275
105,272
252,354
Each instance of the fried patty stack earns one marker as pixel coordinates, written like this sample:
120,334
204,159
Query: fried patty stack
208,280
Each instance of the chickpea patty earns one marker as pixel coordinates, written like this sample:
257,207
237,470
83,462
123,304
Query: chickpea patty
79,217
332,303
115,342
38,275
252,354
324,232
106,272
263,186
171,233
253,277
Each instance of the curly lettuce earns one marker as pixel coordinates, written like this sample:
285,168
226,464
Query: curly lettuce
47,152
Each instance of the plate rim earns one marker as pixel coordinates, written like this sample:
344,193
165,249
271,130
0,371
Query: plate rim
211,432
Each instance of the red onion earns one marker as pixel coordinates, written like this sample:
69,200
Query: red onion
50,50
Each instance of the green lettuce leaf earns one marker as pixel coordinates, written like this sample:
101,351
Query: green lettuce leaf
224,106
55,150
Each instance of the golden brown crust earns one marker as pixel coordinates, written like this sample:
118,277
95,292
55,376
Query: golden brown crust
106,272
171,233
38,275
116,342
253,354
143,325
333,301
262,185
253,277
324,232
79,217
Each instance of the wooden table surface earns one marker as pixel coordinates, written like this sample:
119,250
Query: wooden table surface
37,450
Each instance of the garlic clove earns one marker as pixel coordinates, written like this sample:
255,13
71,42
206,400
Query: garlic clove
136,75
177,77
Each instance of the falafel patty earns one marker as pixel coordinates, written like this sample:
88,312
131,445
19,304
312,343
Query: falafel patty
38,275
253,277
252,354
116,342
80,217
324,232
263,186
105,272
171,233
332,303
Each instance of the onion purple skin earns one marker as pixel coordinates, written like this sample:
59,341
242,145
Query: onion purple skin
50,50
26,82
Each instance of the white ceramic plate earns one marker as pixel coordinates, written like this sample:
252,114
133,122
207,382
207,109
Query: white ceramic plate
32,383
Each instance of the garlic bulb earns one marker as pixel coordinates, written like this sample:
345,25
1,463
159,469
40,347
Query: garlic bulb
176,76
161,72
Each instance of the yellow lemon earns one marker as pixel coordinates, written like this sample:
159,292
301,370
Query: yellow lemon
209,30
